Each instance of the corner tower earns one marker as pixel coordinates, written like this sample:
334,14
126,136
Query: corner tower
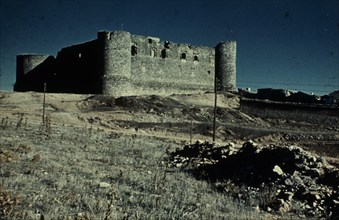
26,63
225,65
115,62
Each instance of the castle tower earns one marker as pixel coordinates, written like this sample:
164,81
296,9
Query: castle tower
26,63
115,62
225,65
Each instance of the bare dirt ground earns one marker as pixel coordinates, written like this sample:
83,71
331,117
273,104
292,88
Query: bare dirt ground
79,127
176,117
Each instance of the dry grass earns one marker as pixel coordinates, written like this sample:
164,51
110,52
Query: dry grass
98,157
8,202
82,173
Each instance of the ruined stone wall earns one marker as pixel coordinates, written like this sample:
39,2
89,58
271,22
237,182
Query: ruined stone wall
166,68
118,63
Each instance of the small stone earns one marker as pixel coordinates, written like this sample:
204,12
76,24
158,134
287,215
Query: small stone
178,165
321,208
319,165
288,182
336,202
296,173
311,212
284,207
104,185
302,215
317,197
289,195
313,159
278,170
307,206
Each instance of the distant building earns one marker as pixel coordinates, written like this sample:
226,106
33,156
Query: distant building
118,63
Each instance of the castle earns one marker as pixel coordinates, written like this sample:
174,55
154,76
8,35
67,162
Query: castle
119,63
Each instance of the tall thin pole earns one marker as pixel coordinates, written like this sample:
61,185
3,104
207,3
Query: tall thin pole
191,131
215,107
43,105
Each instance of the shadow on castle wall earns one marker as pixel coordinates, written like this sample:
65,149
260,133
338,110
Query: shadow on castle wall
74,70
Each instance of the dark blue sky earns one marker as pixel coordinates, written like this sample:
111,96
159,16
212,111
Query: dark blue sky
292,44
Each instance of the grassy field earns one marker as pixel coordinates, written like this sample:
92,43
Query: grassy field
59,172
99,157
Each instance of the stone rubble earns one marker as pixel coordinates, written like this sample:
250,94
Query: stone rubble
303,182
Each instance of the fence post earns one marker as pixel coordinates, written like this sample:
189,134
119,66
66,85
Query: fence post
215,107
43,105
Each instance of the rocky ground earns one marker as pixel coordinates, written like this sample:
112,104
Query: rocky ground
275,160
295,180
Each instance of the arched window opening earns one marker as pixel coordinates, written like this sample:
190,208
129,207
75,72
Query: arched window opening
183,56
150,40
196,58
164,54
134,50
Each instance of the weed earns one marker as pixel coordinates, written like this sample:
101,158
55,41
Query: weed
46,127
36,158
7,156
4,123
8,202
20,121
25,149
110,205
141,186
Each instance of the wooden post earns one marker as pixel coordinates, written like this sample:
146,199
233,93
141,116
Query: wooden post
43,105
191,131
215,107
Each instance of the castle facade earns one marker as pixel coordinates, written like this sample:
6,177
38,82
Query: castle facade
119,63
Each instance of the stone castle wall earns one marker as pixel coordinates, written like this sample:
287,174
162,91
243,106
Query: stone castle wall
225,65
26,63
118,63
115,62
163,67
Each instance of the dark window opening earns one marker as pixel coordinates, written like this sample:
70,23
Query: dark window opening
150,40
167,44
134,50
183,56
164,53
209,71
196,58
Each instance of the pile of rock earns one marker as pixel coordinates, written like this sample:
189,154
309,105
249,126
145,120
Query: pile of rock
303,182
